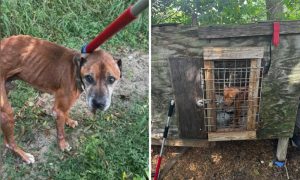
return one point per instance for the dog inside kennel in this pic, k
(232, 93)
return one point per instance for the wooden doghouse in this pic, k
(198, 66)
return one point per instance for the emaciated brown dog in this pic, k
(57, 70)
(235, 97)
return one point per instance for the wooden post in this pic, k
(210, 94)
(253, 93)
(282, 148)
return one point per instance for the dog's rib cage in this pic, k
(231, 94)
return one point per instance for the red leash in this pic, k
(124, 19)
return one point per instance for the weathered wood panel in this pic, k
(254, 29)
(280, 88)
(173, 41)
(186, 71)
(162, 91)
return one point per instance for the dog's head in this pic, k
(100, 73)
(230, 93)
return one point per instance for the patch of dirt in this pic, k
(132, 86)
(229, 160)
(135, 75)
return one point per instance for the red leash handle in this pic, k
(125, 18)
(157, 168)
(276, 32)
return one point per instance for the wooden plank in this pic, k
(253, 29)
(210, 95)
(214, 53)
(229, 136)
(184, 142)
(282, 147)
(228, 129)
(164, 24)
(185, 75)
(253, 93)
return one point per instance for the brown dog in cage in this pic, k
(235, 97)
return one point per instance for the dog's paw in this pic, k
(64, 146)
(29, 158)
(72, 123)
(7, 145)
(68, 148)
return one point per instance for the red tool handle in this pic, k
(276, 32)
(125, 18)
(157, 168)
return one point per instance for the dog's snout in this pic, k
(98, 103)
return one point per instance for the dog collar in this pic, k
(80, 85)
(79, 82)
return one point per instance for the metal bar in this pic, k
(139, 6)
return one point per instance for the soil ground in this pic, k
(229, 160)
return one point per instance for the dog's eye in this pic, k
(89, 79)
(111, 79)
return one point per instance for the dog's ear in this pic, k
(119, 63)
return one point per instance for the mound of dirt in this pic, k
(230, 160)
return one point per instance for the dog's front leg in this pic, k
(63, 102)
(60, 123)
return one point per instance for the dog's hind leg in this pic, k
(7, 125)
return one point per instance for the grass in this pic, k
(111, 145)
(72, 23)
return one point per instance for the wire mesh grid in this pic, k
(232, 94)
